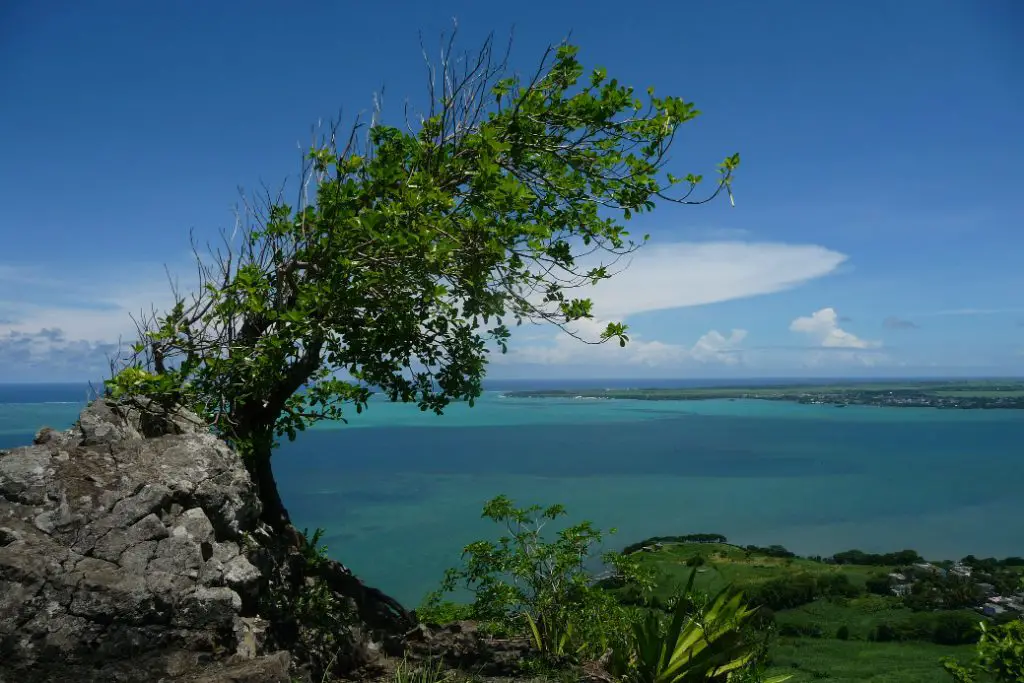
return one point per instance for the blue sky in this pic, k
(878, 220)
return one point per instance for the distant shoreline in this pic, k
(962, 395)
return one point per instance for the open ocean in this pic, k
(399, 492)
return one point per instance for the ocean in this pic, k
(399, 492)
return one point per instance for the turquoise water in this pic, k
(399, 492)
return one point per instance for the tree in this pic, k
(411, 250)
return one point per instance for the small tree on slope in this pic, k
(410, 250)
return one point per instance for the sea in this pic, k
(399, 492)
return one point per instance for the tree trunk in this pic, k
(379, 611)
(274, 512)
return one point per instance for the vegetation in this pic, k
(688, 538)
(521, 582)
(411, 249)
(524, 583)
(902, 557)
(999, 656)
(809, 618)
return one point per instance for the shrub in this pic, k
(955, 628)
(879, 584)
(696, 561)
(528, 583)
(704, 646)
(785, 592)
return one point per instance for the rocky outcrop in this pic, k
(462, 646)
(131, 550)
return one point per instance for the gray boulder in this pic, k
(125, 554)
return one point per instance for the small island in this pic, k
(959, 394)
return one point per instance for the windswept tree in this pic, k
(410, 250)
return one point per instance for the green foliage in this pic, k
(900, 558)
(687, 538)
(1000, 656)
(437, 611)
(409, 253)
(314, 554)
(703, 645)
(431, 672)
(524, 581)
(942, 628)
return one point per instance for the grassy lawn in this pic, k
(860, 615)
(729, 565)
(810, 659)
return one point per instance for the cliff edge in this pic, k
(131, 550)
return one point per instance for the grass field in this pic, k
(728, 565)
(852, 661)
(826, 658)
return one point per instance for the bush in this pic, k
(798, 629)
(942, 628)
(879, 584)
(785, 592)
(955, 628)
(838, 586)
(526, 582)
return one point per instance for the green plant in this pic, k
(525, 581)
(408, 254)
(705, 646)
(434, 611)
(1000, 656)
(431, 672)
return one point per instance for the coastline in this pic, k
(965, 395)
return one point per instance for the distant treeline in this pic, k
(689, 538)
(990, 563)
(902, 557)
(770, 551)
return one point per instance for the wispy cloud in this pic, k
(677, 275)
(64, 328)
(894, 323)
(823, 327)
(976, 311)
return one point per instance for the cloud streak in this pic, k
(894, 323)
(682, 274)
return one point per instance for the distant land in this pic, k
(959, 394)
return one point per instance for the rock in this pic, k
(105, 530)
(461, 645)
(131, 549)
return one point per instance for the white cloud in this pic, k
(823, 327)
(60, 328)
(96, 308)
(675, 275)
(712, 348)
